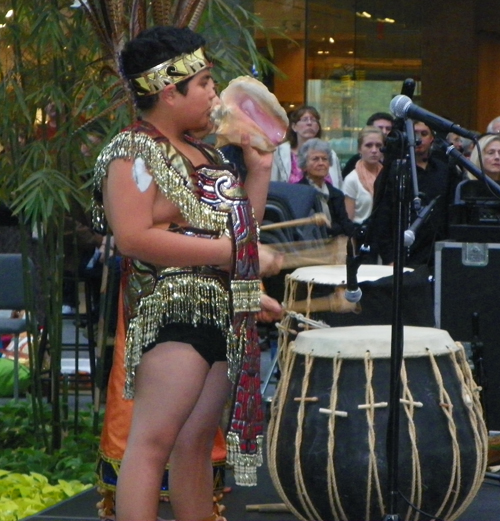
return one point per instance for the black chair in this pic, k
(296, 201)
(12, 297)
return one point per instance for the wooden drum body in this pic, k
(328, 430)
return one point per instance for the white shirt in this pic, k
(363, 200)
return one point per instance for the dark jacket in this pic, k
(341, 224)
(438, 179)
(350, 165)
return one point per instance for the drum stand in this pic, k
(480, 375)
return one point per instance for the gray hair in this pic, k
(491, 125)
(314, 144)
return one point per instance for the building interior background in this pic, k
(350, 58)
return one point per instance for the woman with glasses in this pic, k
(304, 125)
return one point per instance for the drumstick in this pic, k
(267, 507)
(318, 219)
(316, 324)
(319, 258)
(311, 253)
(335, 302)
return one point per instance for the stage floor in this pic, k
(485, 507)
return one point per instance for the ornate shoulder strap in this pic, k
(174, 183)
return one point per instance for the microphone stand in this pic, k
(405, 168)
(410, 136)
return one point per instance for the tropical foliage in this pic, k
(31, 479)
(59, 73)
(26, 494)
(59, 87)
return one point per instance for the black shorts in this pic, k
(209, 341)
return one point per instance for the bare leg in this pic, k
(190, 471)
(169, 381)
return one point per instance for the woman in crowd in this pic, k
(358, 186)
(489, 145)
(304, 124)
(315, 159)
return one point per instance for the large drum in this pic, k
(328, 431)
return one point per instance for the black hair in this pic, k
(379, 115)
(154, 46)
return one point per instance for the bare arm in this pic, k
(134, 215)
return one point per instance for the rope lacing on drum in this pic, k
(373, 475)
(305, 500)
(470, 391)
(333, 495)
(409, 407)
(447, 407)
(310, 286)
(275, 423)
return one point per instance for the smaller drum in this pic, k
(320, 289)
(327, 436)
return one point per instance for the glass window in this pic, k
(347, 58)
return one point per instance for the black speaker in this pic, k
(467, 305)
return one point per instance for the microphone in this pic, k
(402, 107)
(353, 292)
(408, 88)
(409, 234)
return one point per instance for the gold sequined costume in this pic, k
(213, 202)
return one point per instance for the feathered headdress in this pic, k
(115, 22)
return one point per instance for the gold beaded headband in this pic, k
(171, 71)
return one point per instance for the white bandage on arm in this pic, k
(141, 175)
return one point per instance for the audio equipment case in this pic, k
(467, 305)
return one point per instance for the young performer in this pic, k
(187, 230)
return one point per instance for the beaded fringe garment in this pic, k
(213, 202)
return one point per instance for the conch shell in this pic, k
(247, 106)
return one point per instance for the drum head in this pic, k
(338, 274)
(355, 341)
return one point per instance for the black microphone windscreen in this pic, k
(408, 88)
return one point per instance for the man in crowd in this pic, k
(436, 182)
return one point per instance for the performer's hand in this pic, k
(271, 309)
(270, 262)
(256, 161)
